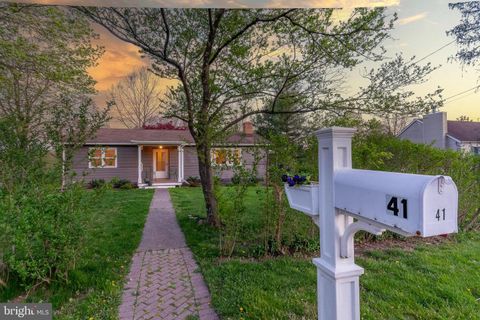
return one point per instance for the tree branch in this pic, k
(245, 29)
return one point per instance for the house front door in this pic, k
(160, 163)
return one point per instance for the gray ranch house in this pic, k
(435, 129)
(162, 158)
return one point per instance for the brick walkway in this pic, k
(163, 282)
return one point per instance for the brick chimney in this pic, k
(247, 128)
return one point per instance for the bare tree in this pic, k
(395, 123)
(137, 99)
(464, 118)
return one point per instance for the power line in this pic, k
(459, 98)
(432, 53)
(460, 93)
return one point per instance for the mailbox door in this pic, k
(440, 207)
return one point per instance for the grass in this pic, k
(431, 282)
(95, 286)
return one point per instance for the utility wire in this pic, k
(460, 93)
(457, 94)
(432, 53)
(459, 98)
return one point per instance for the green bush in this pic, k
(96, 183)
(118, 183)
(127, 186)
(43, 231)
(114, 182)
(194, 181)
(241, 175)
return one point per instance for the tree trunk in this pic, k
(206, 178)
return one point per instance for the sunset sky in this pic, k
(420, 30)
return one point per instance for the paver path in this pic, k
(163, 282)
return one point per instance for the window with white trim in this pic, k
(104, 157)
(476, 150)
(226, 156)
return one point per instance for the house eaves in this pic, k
(411, 124)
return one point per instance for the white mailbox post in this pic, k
(351, 200)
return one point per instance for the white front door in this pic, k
(160, 163)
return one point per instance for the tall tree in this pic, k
(467, 32)
(44, 56)
(292, 125)
(137, 99)
(234, 64)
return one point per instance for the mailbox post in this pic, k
(407, 204)
(338, 293)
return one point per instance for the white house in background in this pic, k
(435, 129)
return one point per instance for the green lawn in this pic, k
(94, 288)
(432, 282)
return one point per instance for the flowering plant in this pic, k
(296, 179)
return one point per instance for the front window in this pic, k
(102, 157)
(476, 150)
(226, 157)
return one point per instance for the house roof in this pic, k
(106, 136)
(464, 130)
(128, 136)
(409, 125)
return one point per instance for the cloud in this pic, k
(345, 4)
(125, 3)
(225, 3)
(411, 19)
(119, 60)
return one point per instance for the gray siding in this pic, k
(452, 144)
(413, 133)
(127, 165)
(190, 162)
(435, 129)
(248, 158)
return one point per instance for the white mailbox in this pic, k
(409, 204)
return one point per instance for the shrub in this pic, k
(43, 232)
(231, 205)
(120, 183)
(96, 183)
(194, 181)
(244, 177)
(114, 182)
(127, 186)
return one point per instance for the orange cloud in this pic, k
(119, 60)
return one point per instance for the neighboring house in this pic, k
(435, 129)
(162, 157)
